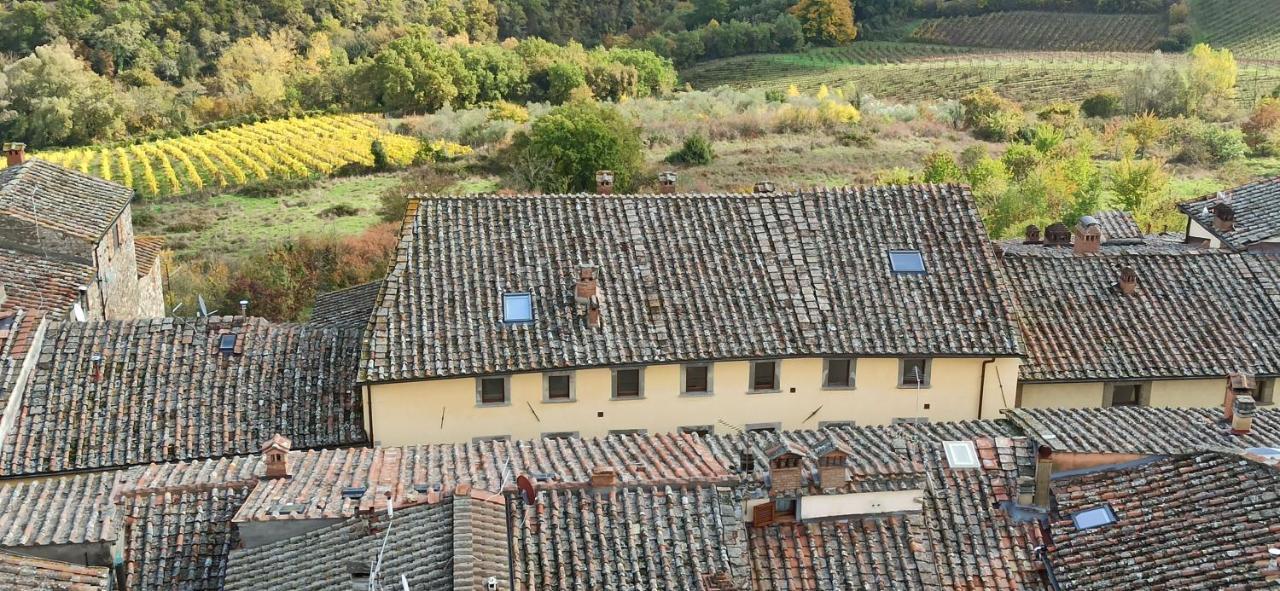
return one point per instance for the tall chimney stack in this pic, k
(1224, 217)
(1238, 384)
(586, 295)
(275, 454)
(1088, 234)
(604, 182)
(15, 152)
(667, 182)
(1057, 234)
(1044, 474)
(1128, 283)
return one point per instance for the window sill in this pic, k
(492, 404)
(913, 387)
(697, 394)
(625, 398)
(839, 388)
(774, 391)
(558, 400)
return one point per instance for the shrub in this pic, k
(564, 148)
(380, 160)
(895, 176)
(991, 116)
(1020, 160)
(941, 167)
(1261, 131)
(696, 151)
(1199, 142)
(1146, 129)
(1045, 138)
(775, 95)
(1103, 105)
(505, 111)
(276, 187)
(340, 210)
(1060, 114)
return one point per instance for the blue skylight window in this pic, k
(517, 308)
(227, 343)
(1095, 517)
(906, 261)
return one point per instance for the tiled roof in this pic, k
(314, 490)
(71, 510)
(1197, 522)
(62, 199)
(41, 284)
(859, 553)
(1257, 211)
(24, 573)
(119, 393)
(687, 277)
(179, 538)
(1142, 430)
(350, 307)
(880, 459)
(1196, 314)
(146, 249)
(421, 546)
(1118, 225)
(629, 539)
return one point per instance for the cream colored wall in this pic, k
(1072, 395)
(1197, 231)
(1163, 393)
(411, 412)
(1188, 392)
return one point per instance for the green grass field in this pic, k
(1030, 77)
(1047, 31)
(1249, 28)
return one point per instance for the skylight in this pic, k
(906, 261)
(517, 307)
(227, 343)
(961, 454)
(1095, 517)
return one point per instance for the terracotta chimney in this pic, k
(1044, 473)
(604, 477)
(15, 152)
(833, 464)
(604, 182)
(1238, 384)
(786, 468)
(1032, 234)
(764, 187)
(1088, 236)
(586, 295)
(1224, 217)
(1128, 283)
(1057, 234)
(667, 182)
(275, 454)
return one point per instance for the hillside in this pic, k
(1250, 28)
(1047, 31)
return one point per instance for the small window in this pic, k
(1265, 393)
(909, 421)
(764, 376)
(764, 427)
(837, 374)
(702, 430)
(697, 379)
(492, 390)
(517, 308)
(627, 383)
(914, 373)
(1126, 395)
(835, 424)
(1095, 517)
(961, 454)
(558, 387)
(491, 439)
(560, 435)
(906, 261)
(227, 343)
(628, 431)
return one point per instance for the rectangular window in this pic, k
(702, 430)
(1126, 395)
(493, 390)
(628, 431)
(764, 376)
(557, 387)
(914, 373)
(517, 308)
(837, 374)
(491, 438)
(697, 379)
(906, 261)
(1265, 394)
(560, 435)
(764, 427)
(627, 383)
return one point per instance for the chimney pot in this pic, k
(586, 295)
(1128, 281)
(604, 477)
(764, 187)
(1088, 236)
(275, 454)
(1044, 474)
(244, 307)
(1224, 217)
(667, 182)
(604, 182)
(15, 152)
(1032, 234)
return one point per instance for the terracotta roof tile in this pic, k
(62, 199)
(179, 538)
(1142, 430)
(147, 249)
(857, 553)
(119, 393)
(24, 573)
(688, 277)
(350, 307)
(1257, 211)
(71, 510)
(1118, 226)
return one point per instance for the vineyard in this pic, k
(1249, 28)
(235, 156)
(1027, 77)
(1047, 31)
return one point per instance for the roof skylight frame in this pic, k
(961, 455)
(1094, 517)
(517, 307)
(907, 261)
(227, 342)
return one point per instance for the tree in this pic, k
(252, 72)
(23, 27)
(788, 33)
(696, 151)
(827, 22)
(705, 11)
(576, 140)
(1262, 130)
(499, 73)
(1211, 81)
(415, 72)
(57, 100)
(941, 167)
(991, 116)
(1142, 187)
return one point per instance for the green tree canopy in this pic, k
(574, 141)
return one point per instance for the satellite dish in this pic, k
(204, 310)
(78, 312)
(527, 489)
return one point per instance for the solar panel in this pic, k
(906, 261)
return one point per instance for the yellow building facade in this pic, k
(446, 410)
(1198, 392)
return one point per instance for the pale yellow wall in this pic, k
(1073, 395)
(1199, 231)
(1188, 392)
(1163, 393)
(410, 412)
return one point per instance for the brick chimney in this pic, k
(275, 454)
(586, 295)
(15, 152)
(1239, 384)
(604, 182)
(763, 187)
(786, 468)
(1088, 235)
(1224, 217)
(1044, 473)
(604, 477)
(1057, 234)
(833, 463)
(1032, 235)
(667, 182)
(1128, 283)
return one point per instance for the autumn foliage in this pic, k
(826, 22)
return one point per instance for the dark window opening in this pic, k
(1126, 395)
(493, 390)
(559, 387)
(764, 376)
(915, 372)
(626, 383)
(839, 373)
(702, 430)
(696, 379)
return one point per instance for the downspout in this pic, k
(511, 548)
(982, 384)
(1043, 554)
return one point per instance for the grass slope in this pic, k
(1047, 31)
(1249, 28)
